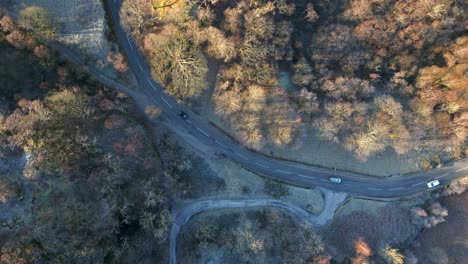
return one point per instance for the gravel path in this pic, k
(332, 201)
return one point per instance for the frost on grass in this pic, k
(79, 24)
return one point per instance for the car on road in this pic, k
(335, 179)
(183, 115)
(433, 184)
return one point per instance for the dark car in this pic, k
(183, 115)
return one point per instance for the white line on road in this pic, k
(418, 183)
(261, 165)
(377, 189)
(306, 168)
(188, 121)
(167, 102)
(461, 169)
(441, 176)
(141, 68)
(325, 180)
(287, 172)
(129, 43)
(399, 188)
(149, 81)
(221, 144)
(305, 176)
(240, 155)
(202, 132)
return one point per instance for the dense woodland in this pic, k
(91, 188)
(368, 74)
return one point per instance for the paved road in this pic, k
(184, 215)
(305, 175)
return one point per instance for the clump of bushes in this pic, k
(38, 20)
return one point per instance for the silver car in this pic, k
(334, 179)
(432, 184)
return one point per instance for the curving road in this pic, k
(184, 215)
(296, 173)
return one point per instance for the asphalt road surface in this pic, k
(296, 173)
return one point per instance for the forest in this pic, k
(80, 181)
(85, 178)
(368, 75)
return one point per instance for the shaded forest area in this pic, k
(89, 187)
(369, 75)
(250, 236)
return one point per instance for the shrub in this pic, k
(363, 252)
(275, 189)
(8, 190)
(7, 24)
(392, 256)
(21, 40)
(118, 61)
(457, 187)
(37, 19)
(153, 112)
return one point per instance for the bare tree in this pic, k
(206, 231)
(392, 256)
(227, 102)
(369, 141)
(219, 46)
(259, 23)
(302, 74)
(177, 63)
(307, 102)
(249, 237)
(310, 13)
(233, 20)
(134, 14)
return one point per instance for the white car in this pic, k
(433, 184)
(334, 179)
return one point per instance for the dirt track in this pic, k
(332, 201)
